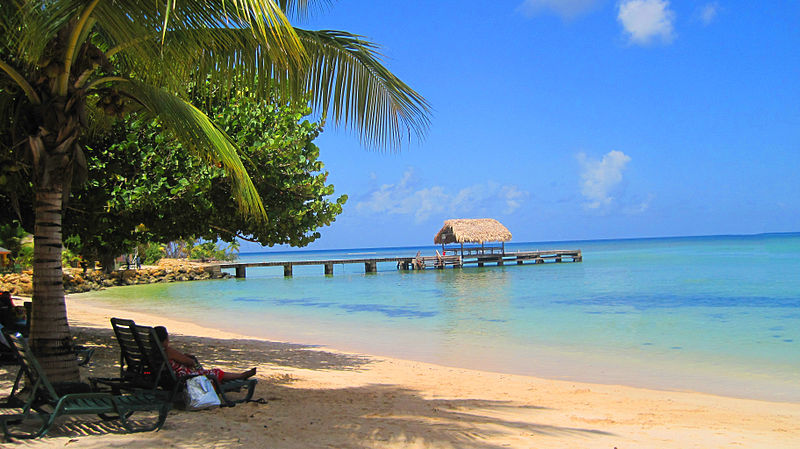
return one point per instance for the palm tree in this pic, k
(67, 64)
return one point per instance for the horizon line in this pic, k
(304, 249)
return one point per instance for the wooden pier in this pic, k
(421, 262)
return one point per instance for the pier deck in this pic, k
(418, 263)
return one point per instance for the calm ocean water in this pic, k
(712, 314)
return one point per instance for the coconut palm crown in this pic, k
(67, 64)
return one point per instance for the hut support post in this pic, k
(287, 270)
(329, 268)
(241, 271)
(370, 267)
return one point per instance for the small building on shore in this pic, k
(486, 232)
(5, 256)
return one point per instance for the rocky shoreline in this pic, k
(75, 281)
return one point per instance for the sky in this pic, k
(577, 120)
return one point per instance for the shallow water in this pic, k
(712, 314)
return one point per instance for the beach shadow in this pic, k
(226, 353)
(72, 427)
(295, 416)
(377, 416)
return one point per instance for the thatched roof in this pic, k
(472, 230)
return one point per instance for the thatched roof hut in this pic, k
(472, 230)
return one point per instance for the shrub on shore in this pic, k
(76, 281)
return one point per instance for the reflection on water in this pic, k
(474, 302)
(714, 314)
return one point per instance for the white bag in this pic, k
(200, 393)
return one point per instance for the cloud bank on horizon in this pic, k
(408, 197)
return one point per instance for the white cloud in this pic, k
(513, 198)
(567, 9)
(407, 198)
(708, 12)
(647, 20)
(640, 207)
(601, 177)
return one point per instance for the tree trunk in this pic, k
(107, 261)
(50, 337)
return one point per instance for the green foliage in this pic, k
(144, 187)
(150, 253)
(11, 237)
(69, 258)
(64, 62)
(210, 251)
(25, 257)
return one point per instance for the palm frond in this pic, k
(28, 27)
(347, 80)
(344, 77)
(146, 23)
(302, 9)
(198, 134)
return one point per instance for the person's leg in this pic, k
(234, 376)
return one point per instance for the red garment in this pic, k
(183, 370)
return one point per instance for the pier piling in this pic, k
(419, 262)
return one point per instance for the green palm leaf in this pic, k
(347, 80)
(196, 131)
(343, 75)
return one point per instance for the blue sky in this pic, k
(578, 119)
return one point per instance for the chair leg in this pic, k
(163, 411)
(251, 388)
(46, 423)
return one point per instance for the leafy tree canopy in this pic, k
(62, 60)
(144, 187)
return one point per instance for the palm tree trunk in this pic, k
(50, 336)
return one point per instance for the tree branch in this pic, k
(235, 234)
(105, 79)
(21, 82)
(72, 44)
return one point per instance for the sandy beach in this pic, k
(323, 398)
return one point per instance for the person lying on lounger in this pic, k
(187, 365)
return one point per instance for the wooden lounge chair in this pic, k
(47, 401)
(143, 364)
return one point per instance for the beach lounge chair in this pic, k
(46, 401)
(143, 365)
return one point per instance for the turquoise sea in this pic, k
(713, 314)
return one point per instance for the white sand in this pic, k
(320, 398)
